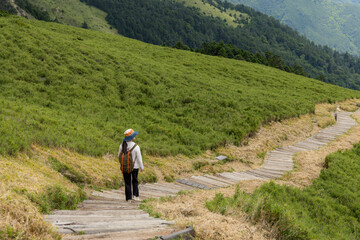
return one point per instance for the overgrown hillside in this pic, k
(327, 22)
(194, 22)
(74, 13)
(63, 86)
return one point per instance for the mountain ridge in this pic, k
(326, 22)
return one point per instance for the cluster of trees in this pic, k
(167, 22)
(230, 51)
(5, 6)
(33, 10)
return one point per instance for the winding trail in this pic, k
(106, 215)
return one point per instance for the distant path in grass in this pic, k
(106, 215)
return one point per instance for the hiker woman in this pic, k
(130, 161)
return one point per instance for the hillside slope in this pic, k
(195, 22)
(167, 22)
(64, 86)
(74, 13)
(326, 22)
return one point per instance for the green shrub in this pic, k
(199, 164)
(4, 13)
(148, 176)
(55, 197)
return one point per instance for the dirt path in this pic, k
(108, 216)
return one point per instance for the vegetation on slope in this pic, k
(326, 22)
(63, 86)
(328, 209)
(230, 51)
(6, 6)
(232, 17)
(74, 13)
(81, 89)
(167, 22)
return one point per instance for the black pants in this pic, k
(135, 188)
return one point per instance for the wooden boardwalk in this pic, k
(106, 215)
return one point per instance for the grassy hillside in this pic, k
(326, 22)
(63, 86)
(328, 209)
(72, 12)
(232, 17)
(166, 22)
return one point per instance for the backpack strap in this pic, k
(133, 147)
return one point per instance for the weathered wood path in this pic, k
(106, 215)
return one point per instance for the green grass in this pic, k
(80, 89)
(75, 13)
(230, 16)
(328, 209)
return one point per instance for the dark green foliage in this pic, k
(328, 209)
(85, 25)
(4, 13)
(166, 21)
(55, 197)
(6, 8)
(180, 45)
(33, 10)
(230, 51)
(68, 87)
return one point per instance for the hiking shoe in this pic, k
(137, 199)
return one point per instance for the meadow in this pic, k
(74, 13)
(328, 209)
(67, 87)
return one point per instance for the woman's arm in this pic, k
(139, 157)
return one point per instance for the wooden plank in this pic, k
(221, 175)
(211, 181)
(124, 235)
(265, 174)
(192, 183)
(258, 175)
(87, 219)
(98, 212)
(157, 188)
(202, 182)
(115, 227)
(245, 175)
(220, 179)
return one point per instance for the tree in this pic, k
(85, 25)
